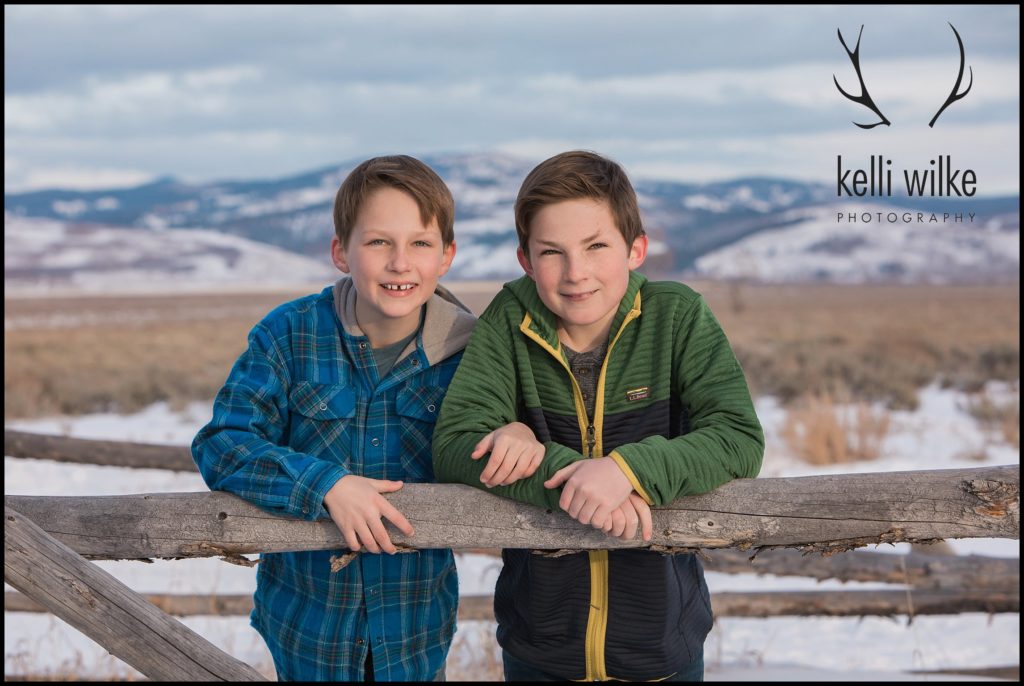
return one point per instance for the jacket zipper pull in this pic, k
(591, 440)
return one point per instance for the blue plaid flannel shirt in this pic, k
(301, 408)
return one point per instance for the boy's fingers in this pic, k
(600, 516)
(629, 521)
(621, 520)
(586, 512)
(508, 466)
(565, 501)
(522, 468)
(366, 538)
(535, 459)
(386, 486)
(561, 476)
(483, 446)
(643, 512)
(392, 514)
(350, 539)
(493, 464)
(381, 538)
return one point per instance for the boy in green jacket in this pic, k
(602, 393)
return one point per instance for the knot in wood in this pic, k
(994, 498)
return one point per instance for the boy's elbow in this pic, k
(753, 451)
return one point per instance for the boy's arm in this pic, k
(242, 449)
(725, 441)
(482, 397)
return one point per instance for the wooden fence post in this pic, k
(110, 613)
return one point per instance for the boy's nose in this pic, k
(575, 269)
(399, 260)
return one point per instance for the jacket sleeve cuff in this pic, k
(621, 461)
(307, 500)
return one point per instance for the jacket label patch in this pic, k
(638, 393)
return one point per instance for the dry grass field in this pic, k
(75, 355)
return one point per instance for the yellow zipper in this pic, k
(590, 432)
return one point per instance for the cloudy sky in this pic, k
(101, 96)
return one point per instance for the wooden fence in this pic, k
(748, 525)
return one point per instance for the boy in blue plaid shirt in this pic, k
(332, 405)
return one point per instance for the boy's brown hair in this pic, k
(578, 174)
(404, 173)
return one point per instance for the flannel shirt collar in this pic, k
(445, 330)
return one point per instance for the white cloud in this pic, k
(72, 178)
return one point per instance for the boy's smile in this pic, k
(395, 262)
(580, 263)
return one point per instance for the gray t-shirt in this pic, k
(586, 367)
(387, 356)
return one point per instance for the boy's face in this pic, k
(394, 260)
(580, 263)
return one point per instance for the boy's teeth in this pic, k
(396, 287)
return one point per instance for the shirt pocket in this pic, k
(417, 410)
(322, 419)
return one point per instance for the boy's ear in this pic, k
(446, 261)
(638, 252)
(338, 255)
(524, 262)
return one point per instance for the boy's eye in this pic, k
(549, 251)
(594, 246)
(376, 241)
(422, 244)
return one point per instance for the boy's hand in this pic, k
(593, 488)
(624, 520)
(356, 505)
(515, 454)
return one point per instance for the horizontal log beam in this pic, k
(818, 513)
(881, 603)
(913, 569)
(105, 453)
(863, 603)
(101, 607)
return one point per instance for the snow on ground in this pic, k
(940, 435)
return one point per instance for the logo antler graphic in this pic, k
(865, 97)
(953, 97)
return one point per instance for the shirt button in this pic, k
(379, 640)
(360, 641)
(373, 591)
(586, 396)
(375, 442)
(415, 362)
(362, 346)
(583, 371)
(323, 406)
(430, 408)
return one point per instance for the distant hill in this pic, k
(743, 228)
(47, 255)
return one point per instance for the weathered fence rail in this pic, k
(822, 513)
(105, 453)
(917, 570)
(101, 607)
(877, 603)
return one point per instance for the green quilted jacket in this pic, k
(672, 408)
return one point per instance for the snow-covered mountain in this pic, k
(814, 246)
(46, 255)
(686, 222)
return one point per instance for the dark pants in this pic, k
(517, 670)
